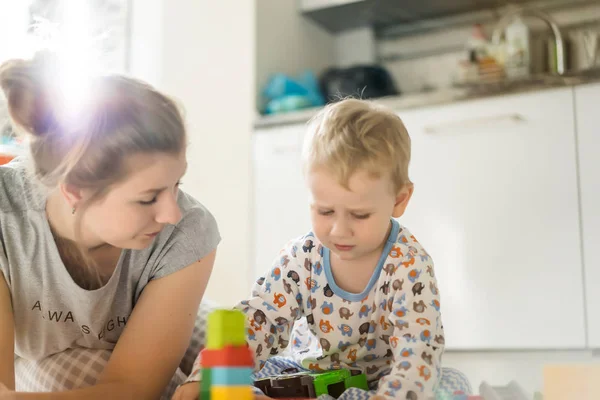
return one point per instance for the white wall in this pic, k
(146, 42)
(286, 42)
(202, 53)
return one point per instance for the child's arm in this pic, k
(275, 304)
(418, 339)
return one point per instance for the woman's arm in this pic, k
(154, 341)
(7, 337)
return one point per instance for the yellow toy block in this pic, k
(231, 393)
(226, 328)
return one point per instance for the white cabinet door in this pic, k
(280, 196)
(587, 106)
(496, 205)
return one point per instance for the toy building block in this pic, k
(357, 381)
(205, 384)
(227, 361)
(310, 385)
(228, 356)
(226, 328)
(224, 376)
(299, 385)
(334, 383)
(231, 393)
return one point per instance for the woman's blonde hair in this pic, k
(352, 135)
(88, 149)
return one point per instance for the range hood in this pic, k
(340, 15)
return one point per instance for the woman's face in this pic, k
(136, 209)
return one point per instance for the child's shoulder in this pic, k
(305, 246)
(406, 240)
(407, 256)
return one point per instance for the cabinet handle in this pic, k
(473, 123)
(283, 149)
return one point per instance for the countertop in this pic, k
(447, 96)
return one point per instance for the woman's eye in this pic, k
(148, 203)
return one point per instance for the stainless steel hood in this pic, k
(339, 15)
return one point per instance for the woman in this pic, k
(100, 247)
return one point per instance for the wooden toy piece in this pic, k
(226, 328)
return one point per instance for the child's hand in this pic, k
(188, 391)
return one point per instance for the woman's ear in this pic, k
(72, 194)
(402, 199)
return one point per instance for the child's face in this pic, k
(354, 223)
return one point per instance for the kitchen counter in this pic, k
(446, 96)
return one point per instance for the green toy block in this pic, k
(357, 381)
(323, 381)
(205, 384)
(226, 328)
(334, 383)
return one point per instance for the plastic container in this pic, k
(518, 50)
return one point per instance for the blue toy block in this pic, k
(226, 376)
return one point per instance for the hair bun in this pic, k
(24, 83)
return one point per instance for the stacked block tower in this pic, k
(227, 362)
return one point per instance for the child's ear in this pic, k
(402, 199)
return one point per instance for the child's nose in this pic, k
(340, 227)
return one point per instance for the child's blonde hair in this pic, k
(353, 135)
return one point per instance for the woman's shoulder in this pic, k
(18, 190)
(197, 231)
(194, 215)
(177, 246)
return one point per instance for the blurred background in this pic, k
(500, 99)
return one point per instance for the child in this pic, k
(365, 285)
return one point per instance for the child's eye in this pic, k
(325, 212)
(362, 216)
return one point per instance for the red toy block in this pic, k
(228, 356)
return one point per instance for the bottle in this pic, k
(477, 44)
(518, 52)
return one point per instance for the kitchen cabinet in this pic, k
(496, 205)
(587, 100)
(280, 196)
